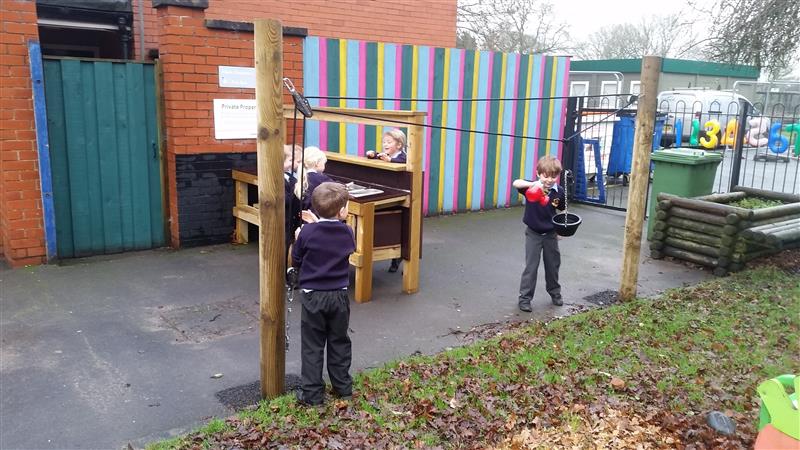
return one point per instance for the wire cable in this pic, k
(440, 100)
(440, 127)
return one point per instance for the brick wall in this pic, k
(21, 223)
(206, 195)
(190, 54)
(421, 22)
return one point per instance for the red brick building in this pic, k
(191, 39)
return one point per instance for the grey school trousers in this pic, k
(323, 326)
(537, 246)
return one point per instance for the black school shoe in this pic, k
(395, 265)
(525, 306)
(557, 300)
(301, 401)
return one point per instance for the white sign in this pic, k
(237, 77)
(235, 118)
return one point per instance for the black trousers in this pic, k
(324, 322)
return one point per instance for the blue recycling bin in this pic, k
(621, 154)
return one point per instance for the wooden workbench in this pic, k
(386, 225)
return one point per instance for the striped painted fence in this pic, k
(463, 170)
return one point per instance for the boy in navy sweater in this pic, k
(322, 254)
(542, 198)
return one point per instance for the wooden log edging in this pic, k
(706, 231)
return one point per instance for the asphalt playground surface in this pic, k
(123, 349)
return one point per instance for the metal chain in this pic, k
(289, 300)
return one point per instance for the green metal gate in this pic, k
(105, 158)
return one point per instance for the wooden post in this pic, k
(414, 163)
(640, 176)
(271, 242)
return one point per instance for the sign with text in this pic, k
(237, 77)
(235, 118)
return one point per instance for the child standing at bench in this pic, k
(394, 150)
(312, 175)
(542, 198)
(322, 254)
(292, 207)
(394, 147)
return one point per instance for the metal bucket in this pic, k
(566, 224)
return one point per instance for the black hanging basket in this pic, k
(566, 224)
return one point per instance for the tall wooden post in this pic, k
(640, 176)
(271, 242)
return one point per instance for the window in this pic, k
(636, 87)
(610, 88)
(578, 88)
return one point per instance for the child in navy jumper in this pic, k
(394, 151)
(542, 198)
(394, 147)
(314, 161)
(322, 254)
(292, 206)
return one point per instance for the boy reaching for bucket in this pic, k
(542, 198)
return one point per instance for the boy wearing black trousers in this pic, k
(321, 253)
(542, 198)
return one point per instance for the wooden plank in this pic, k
(268, 36)
(706, 207)
(640, 172)
(57, 129)
(784, 197)
(123, 155)
(76, 158)
(245, 177)
(140, 156)
(378, 254)
(242, 233)
(153, 157)
(364, 239)
(693, 214)
(90, 117)
(42, 149)
(776, 211)
(362, 161)
(162, 149)
(411, 265)
(108, 158)
(723, 198)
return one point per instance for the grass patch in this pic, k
(664, 362)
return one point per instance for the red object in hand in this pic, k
(536, 194)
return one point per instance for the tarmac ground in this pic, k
(131, 348)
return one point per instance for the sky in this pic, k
(588, 16)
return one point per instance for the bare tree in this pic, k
(524, 26)
(764, 33)
(659, 35)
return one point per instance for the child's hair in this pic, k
(398, 135)
(287, 153)
(311, 157)
(328, 198)
(548, 165)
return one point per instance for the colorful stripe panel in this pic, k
(463, 170)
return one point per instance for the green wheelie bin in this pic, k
(683, 172)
